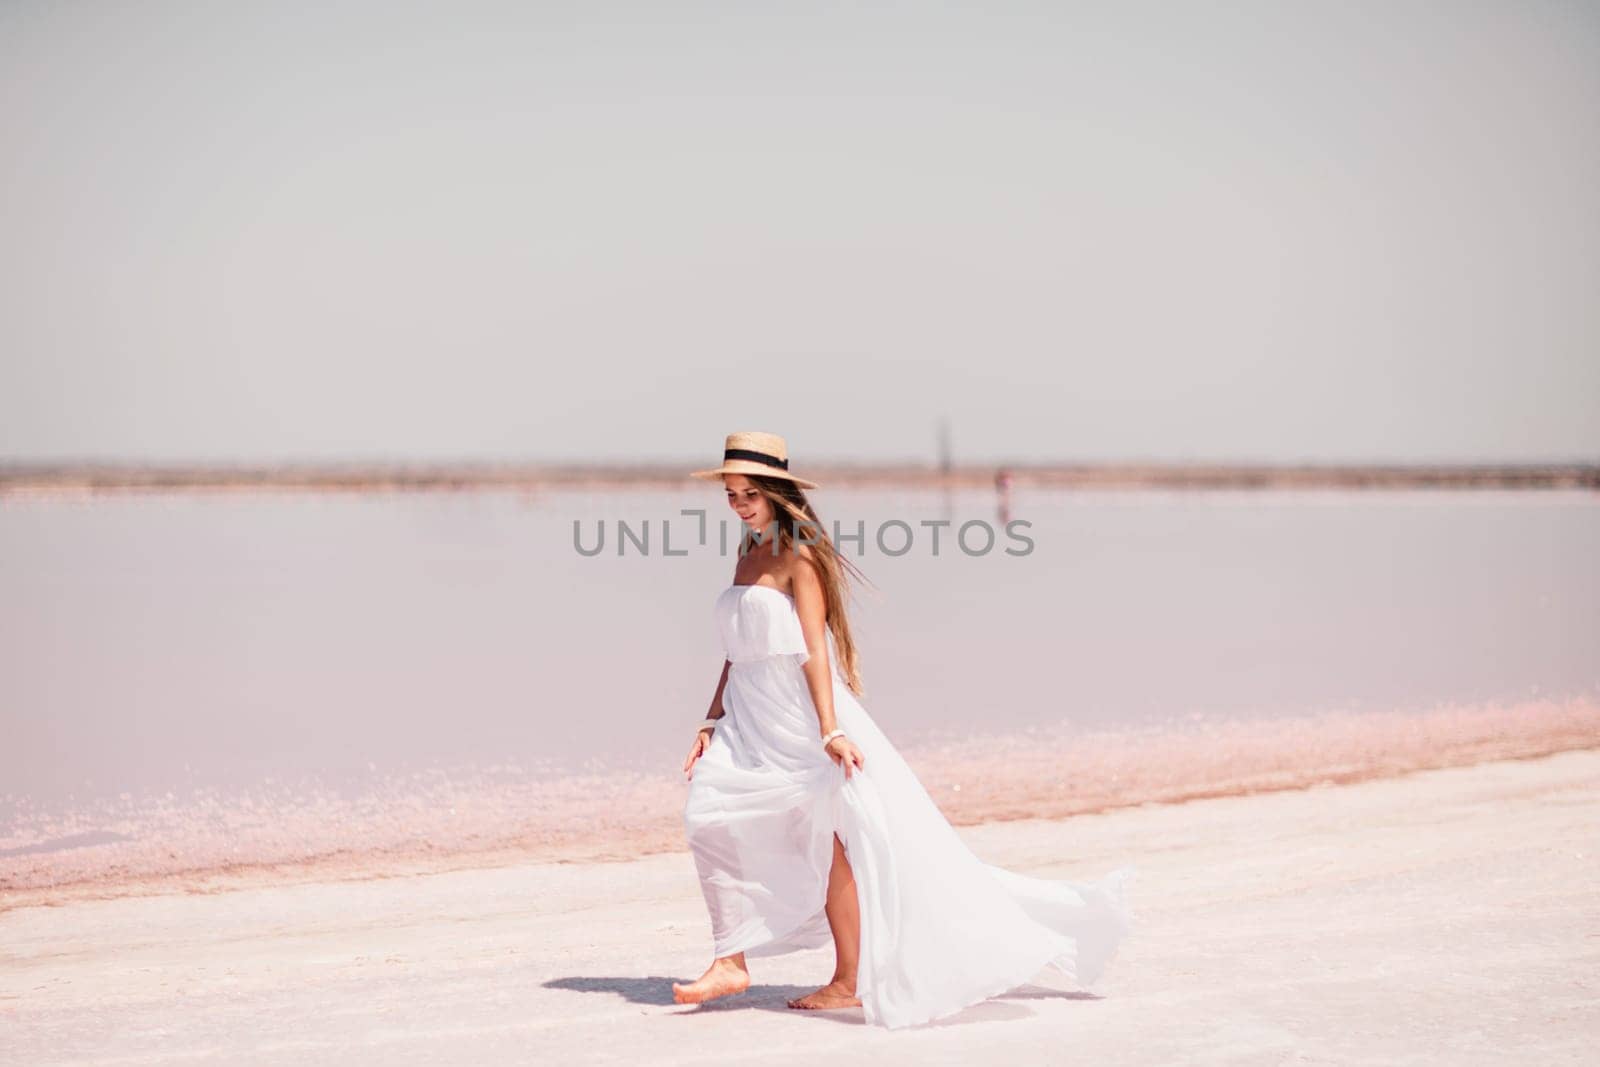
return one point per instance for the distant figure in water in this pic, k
(1002, 490)
(805, 823)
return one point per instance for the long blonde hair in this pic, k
(790, 510)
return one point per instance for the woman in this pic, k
(798, 840)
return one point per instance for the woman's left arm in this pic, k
(812, 605)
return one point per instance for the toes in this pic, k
(821, 1001)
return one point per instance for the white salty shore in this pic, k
(1445, 916)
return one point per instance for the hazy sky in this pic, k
(1255, 231)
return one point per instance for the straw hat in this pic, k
(754, 453)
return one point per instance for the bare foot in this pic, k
(721, 978)
(835, 994)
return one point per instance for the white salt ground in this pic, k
(1448, 916)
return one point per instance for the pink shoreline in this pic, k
(87, 479)
(227, 842)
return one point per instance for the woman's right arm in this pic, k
(715, 711)
(702, 736)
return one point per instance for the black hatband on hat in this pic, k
(758, 457)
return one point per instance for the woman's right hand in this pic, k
(702, 738)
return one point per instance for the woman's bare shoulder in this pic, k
(803, 558)
(801, 566)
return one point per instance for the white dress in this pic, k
(940, 929)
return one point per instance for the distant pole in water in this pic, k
(945, 465)
(1002, 492)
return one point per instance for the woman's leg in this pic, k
(844, 918)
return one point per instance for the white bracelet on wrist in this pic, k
(831, 736)
(709, 722)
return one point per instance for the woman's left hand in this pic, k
(846, 754)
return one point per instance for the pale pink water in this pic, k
(214, 685)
